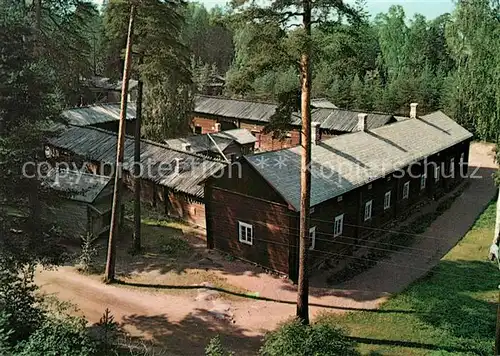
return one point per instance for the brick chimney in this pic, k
(315, 132)
(362, 122)
(413, 110)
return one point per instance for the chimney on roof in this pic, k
(315, 132)
(186, 147)
(413, 110)
(217, 127)
(362, 122)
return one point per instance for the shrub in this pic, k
(295, 339)
(58, 338)
(18, 300)
(215, 348)
(86, 261)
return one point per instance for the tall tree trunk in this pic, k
(38, 16)
(115, 212)
(137, 167)
(305, 173)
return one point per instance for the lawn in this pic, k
(452, 311)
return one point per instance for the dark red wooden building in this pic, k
(360, 182)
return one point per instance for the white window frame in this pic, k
(423, 181)
(437, 174)
(462, 157)
(312, 237)
(245, 239)
(452, 167)
(387, 200)
(406, 190)
(368, 210)
(338, 226)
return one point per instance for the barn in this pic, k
(85, 208)
(171, 180)
(360, 182)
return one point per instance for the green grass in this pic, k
(452, 311)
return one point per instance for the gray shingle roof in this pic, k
(97, 114)
(233, 108)
(324, 112)
(158, 160)
(199, 143)
(242, 136)
(81, 186)
(346, 162)
(343, 120)
(322, 103)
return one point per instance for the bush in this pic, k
(18, 301)
(295, 339)
(215, 348)
(86, 261)
(58, 338)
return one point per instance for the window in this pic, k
(339, 199)
(198, 130)
(437, 174)
(339, 225)
(368, 210)
(245, 233)
(462, 156)
(406, 190)
(369, 186)
(312, 210)
(387, 200)
(452, 167)
(312, 238)
(422, 181)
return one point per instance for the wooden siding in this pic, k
(252, 200)
(207, 124)
(271, 222)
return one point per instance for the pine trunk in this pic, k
(115, 212)
(137, 168)
(305, 173)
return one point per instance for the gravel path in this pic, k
(184, 324)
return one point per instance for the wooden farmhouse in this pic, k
(228, 145)
(360, 182)
(172, 180)
(214, 113)
(85, 207)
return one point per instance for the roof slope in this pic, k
(81, 186)
(346, 162)
(242, 136)
(97, 114)
(324, 112)
(234, 108)
(158, 161)
(343, 120)
(199, 143)
(322, 103)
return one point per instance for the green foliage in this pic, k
(86, 261)
(161, 61)
(58, 338)
(5, 333)
(175, 246)
(320, 339)
(107, 331)
(215, 348)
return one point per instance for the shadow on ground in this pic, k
(191, 335)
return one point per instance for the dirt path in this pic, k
(184, 325)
